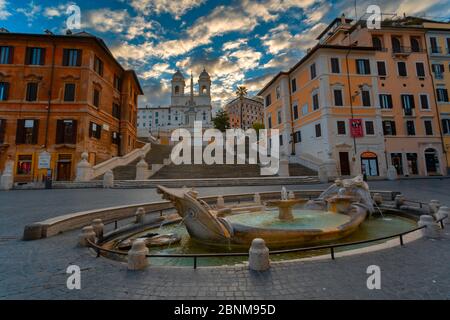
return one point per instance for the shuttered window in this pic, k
(35, 56)
(66, 131)
(72, 57)
(27, 131)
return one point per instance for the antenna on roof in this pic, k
(68, 32)
(48, 32)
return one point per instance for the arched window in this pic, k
(376, 42)
(396, 44)
(415, 45)
(177, 90)
(204, 90)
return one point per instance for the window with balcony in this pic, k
(27, 131)
(6, 54)
(72, 57)
(4, 91)
(35, 56)
(32, 90)
(386, 101)
(66, 131)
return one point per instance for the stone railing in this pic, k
(309, 161)
(86, 172)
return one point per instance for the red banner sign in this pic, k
(356, 128)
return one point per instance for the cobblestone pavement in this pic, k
(36, 270)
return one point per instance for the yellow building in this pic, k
(438, 42)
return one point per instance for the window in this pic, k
(98, 66)
(4, 91)
(434, 45)
(365, 96)
(370, 130)
(118, 83)
(408, 104)
(295, 111)
(25, 164)
(424, 104)
(376, 43)
(315, 99)
(420, 69)
(6, 55)
(35, 56)
(305, 109)
(318, 130)
(96, 98)
(338, 101)
(95, 131)
(2, 130)
(396, 45)
(27, 131)
(362, 66)
(32, 88)
(281, 139)
(389, 128)
(294, 85)
(341, 127)
(116, 110)
(415, 44)
(442, 94)
(69, 92)
(385, 101)
(410, 128)
(297, 136)
(115, 137)
(438, 70)
(268, 100)
(401, 68)
(72, 57)
(279, 117)
(277, 92)
(446, 126)
(312, 70)
(269, 121)
(335, 67)
(428, 127)
(66, 131)
(381, 67)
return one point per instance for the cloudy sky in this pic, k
(239, 42)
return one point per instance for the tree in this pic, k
(241, 92)
(258, 126)
(221, 121)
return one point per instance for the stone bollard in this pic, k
(136, 255)
(140, 214)
(442, 212)
(220, 202)
(399, 200)
(434, 206)
(108, 179)
(257, 198)
(87, 233)
(258, 259)
(99, 227)
(142, 169)
(378, 199)
(432, 229)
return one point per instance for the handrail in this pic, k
(332, 247)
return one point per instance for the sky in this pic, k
(242, 42)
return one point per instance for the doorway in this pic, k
(431, 161)
(397, 162)
(369, 164)
(64, 167)
(345, 163)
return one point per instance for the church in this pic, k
(185, 108)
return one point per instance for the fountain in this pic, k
(340, 210)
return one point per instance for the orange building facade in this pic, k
(249, 109)
(60, 96)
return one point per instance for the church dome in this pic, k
(204, 75)
(178, 76)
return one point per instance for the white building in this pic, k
(183, 111)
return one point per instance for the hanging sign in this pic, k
(356, 128)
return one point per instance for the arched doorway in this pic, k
(369, 164)
(432, 161)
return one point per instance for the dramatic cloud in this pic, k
(30, 12)
(4, 14)
(177, 8)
